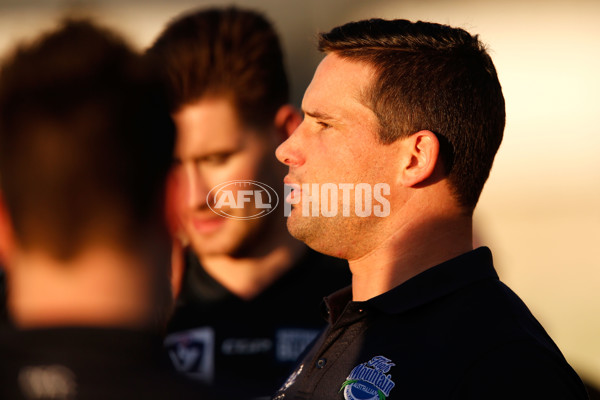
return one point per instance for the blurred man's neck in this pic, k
(99, 287)
(249, 275)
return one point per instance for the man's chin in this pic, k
(213, 243)
(300, 227)
(208, 249)
(230, 240)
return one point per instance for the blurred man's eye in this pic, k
(217, 159)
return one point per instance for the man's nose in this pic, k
(289, 152)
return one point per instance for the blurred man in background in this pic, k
(86, 143)
(250, 292)
(417, 107)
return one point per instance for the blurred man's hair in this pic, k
(431, 77)
(230, 53)
(86, 141)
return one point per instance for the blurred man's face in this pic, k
(214, 147)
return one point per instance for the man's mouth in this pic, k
(295, 191)
(207, 224)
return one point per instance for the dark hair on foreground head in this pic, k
(230, 53)
(86, 141)
(431, 77)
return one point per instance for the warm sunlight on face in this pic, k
(337, 143)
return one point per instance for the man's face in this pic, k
(338, 143)
(213, 147)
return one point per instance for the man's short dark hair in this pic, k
(431, 77)
(228, 52)
(86, 140)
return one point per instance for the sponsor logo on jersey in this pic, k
(192, 352)
(370, 380)
(246, 346)
(291, 342)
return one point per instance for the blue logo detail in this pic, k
(368, 381)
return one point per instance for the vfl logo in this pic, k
(236, 194)
(368, 381)
(192, 352)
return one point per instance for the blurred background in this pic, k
(540, 211)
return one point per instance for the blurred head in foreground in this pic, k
(85, 147)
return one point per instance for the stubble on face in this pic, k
(338, 236)
(337, 143)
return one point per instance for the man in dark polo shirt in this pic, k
(250, 293)
(405, 120)
(86, 143)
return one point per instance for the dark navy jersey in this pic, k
(3, 310)
(452, 332)
(89, 364)
(247, 348)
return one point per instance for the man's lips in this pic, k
(207, 224)
(294, 196)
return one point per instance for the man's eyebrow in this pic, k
(320, 115)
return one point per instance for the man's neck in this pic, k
(99, 287)
(248, 276)
(416, 246)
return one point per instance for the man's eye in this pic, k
(323, 125)
(216, 159)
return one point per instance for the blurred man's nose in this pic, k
(196, 187)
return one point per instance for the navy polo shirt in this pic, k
(452, 332)
(89, 363)
(247, 348)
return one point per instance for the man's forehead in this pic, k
(208, 125)
(339, 81)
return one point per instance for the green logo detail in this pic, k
(351, 381)
(348, 382)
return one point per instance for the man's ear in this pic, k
(7, 240)
(420, 153)
(286, 121)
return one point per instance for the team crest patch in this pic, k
(192, 352)
(368, 381)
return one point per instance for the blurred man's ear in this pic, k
(287, 120)
(172, 214)
(7, 241)
(172, 202)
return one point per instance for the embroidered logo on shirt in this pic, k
(368, 381)
(192, 352)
